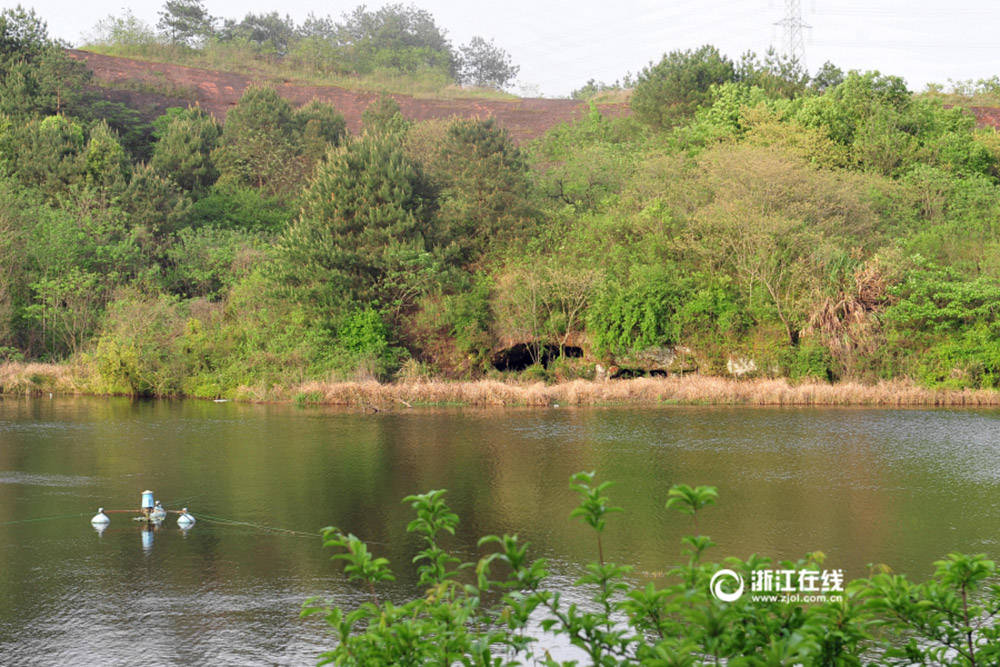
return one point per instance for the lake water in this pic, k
(900, 487)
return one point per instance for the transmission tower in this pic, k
(793, 25)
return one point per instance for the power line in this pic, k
(898, 45)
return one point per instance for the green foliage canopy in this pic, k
(669, 92)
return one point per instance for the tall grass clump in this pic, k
(680, 390)
(19, 378)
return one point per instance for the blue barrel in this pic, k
(147, 500)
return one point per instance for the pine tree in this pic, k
(363, 224)
(260, 144)
(484, 189)
(185, 21)
(186, 139)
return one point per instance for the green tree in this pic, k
(541, 300)
(846, 107)
(106, 165)
(155, 207)
(483, 63)
(269, 33)
(67, 309)
(384, 115)
(394, 37)
(240, 207)
(36, 76)
(482, 179)
(201, 261)
(127, 31)
(322, 127)
(827, 76)
(364, 223)
(135, 134)
(587, 164)
(635, 312)
(185, 22)
(135, 352)
(669, 92)
(46, 154)
(778, 75)
(183, 150)
(776, 226)
(259, 146)
(23, 35)
(16, 218)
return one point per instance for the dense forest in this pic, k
(747, 218)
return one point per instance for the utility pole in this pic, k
(792, 23)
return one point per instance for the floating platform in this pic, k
(151, 513)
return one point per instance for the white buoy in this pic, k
(185, 520)
(100, 518)
(158, 513)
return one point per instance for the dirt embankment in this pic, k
(217, 92)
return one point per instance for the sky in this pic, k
(561, 44)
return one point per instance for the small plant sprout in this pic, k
(689, 500)
(594, 505)
(433, 516)
(359, 564)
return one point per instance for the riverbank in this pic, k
(21, 379)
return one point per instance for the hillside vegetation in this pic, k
(747, 219)
(396, 49)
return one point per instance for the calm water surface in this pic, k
(901, 487)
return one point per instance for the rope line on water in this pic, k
(233, 522)
(182, 501)
(296, 533)
(43, 518)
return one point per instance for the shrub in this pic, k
(634, 314)
(670, 91)
(363, 338)
(236, 207)
(134, 353)
(811, 359)
(971, 360)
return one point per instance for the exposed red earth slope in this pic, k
(987, 116)
(217, 91)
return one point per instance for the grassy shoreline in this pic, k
(34, 379)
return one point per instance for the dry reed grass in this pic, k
(692, 390)
(32, 379)
(26, 378)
